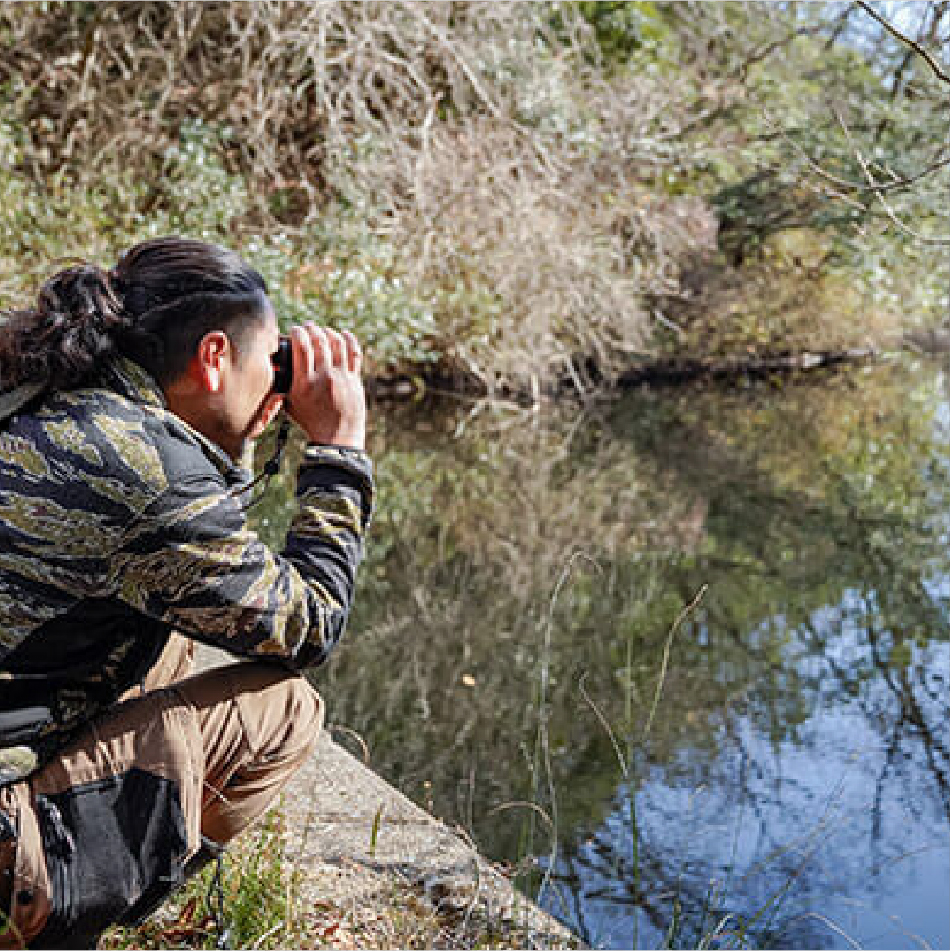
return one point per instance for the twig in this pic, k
(545, 749)
(477, 868)
(603, 722)
(831, 925)
(943, 242)
(522, 803)
(741, 71)
(666, 655)
(354, 735)
(939, 161)
(260, 941)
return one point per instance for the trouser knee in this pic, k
(259, 723)
(288, 721)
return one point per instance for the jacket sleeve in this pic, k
(190, 560)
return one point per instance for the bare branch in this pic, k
(940, 160)
(741, 71)
(876, 188)
(931, 62)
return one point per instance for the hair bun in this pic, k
(78, 316)
(153, 307)
(81, 293)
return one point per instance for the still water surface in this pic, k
(767, 767)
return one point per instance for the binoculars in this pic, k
(282, 360)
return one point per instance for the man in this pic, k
(131, 398)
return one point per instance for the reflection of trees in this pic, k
(887, 580)
(880, 551)
(679, 898)
(804, 513)
(597, 861)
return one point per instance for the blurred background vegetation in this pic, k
(500, 195)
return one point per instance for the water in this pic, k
(766, 768)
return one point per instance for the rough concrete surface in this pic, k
(358, 844)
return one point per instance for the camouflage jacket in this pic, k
(119, 523)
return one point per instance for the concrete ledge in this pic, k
(354, 836)
(360, 846)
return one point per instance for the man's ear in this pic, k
(211, 359)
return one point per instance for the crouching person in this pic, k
(129, 403)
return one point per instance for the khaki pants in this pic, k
(108, 825)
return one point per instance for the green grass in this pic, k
(257, 889)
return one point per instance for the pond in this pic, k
(678, 661)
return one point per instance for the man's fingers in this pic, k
(354, 353)
(323, 354)
(322, 348)
(337, 348)
(327, 399)
(303, 351)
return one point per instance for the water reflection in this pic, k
(772, 770)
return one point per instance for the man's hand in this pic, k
(327, 399)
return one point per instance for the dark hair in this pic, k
(154, 306)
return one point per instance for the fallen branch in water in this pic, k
(439, 381)
(684, 371)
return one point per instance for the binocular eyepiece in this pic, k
(282, 360)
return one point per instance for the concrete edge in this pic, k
(356, 843)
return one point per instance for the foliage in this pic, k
(815, 120)
(519, 193)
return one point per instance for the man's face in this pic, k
(247, 404)
(226, 392)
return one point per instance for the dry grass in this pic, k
(471, 171)
(482, 144)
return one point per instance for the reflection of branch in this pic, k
(931, 62)
(911, 712)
